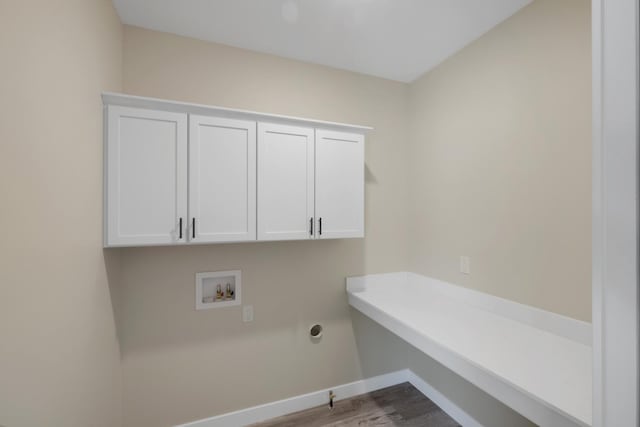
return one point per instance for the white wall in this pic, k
(616, 126)
(59, 357)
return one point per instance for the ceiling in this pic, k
(393, 39)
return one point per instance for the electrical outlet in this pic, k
(247, 313)
(465, 265)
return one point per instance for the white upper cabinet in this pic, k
(222, 180)
(339, 190)
(146, 177)
(285, 182)
(178, 173)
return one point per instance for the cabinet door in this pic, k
(339, 184)
(285, 182)
(146, 177)
(222, 179)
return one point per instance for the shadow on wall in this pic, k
(475, 402)
(369, 177)
(113, 268)
(379, 350)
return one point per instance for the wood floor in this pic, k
(398, 406)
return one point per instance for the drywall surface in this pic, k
(501, 161)
(487, 156)
(59, 356)
(180, 365)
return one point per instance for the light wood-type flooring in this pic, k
(398, 406)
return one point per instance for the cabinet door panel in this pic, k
(222, 179)
(339, 184)
(285, 182)
(146, 176)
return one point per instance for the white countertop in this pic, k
(551, 370)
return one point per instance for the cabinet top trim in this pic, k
(111, 98)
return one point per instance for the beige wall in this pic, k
(487, 156)
(59, 361)
(501, 161)
(497, 143)
(181, 365)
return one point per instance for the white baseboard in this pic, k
(267, 411)
(299, 403)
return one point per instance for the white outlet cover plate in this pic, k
(465, 265)
(247, 313)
